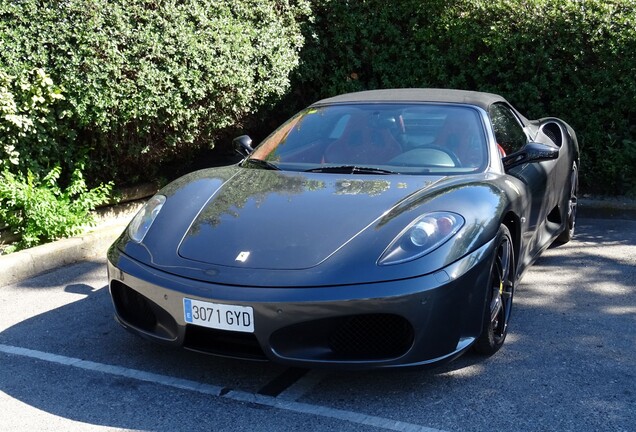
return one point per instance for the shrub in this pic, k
(147, 82)
(570, 59)
(34, 141)
(32, 132)
(39, 210)
(150, 81)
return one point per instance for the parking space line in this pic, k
(114, 370)
(350, 416)
(236, 395)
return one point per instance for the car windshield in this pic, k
(378, 139)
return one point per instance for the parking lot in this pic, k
(569, 362)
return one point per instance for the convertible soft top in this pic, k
(480, 99)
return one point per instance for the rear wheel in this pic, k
(500, 290)
(568, 231)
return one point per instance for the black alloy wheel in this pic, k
(501, 285)
(568, 232)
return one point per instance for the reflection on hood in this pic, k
(288, 220)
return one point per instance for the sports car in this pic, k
(374, 229)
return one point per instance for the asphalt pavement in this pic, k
(568, 363)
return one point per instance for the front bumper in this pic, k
(416, 321)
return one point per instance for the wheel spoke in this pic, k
(574, 182)
(495, 308)
(504, 258)
(507, 291)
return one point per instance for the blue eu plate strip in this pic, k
(187, 308)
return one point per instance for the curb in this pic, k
(111, 222)
(607, 208)
(40, 259)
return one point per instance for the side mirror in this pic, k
(531, 152)
(243, 145)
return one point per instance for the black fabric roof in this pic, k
(483, 100)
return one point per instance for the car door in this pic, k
(510, 135)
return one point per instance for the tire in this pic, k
(500, 290)
(568, 230)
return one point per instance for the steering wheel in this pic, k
(427, 156)
(447, 152)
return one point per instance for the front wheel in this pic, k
(500, 289)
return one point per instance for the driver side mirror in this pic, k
(243, 145)
(531, 152)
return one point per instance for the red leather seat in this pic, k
(459, 135)
(363, 142)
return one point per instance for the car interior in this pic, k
(407, 137)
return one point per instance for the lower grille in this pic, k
(139, 312)
(373, 335)
(349, 338)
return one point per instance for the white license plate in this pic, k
(219, 316)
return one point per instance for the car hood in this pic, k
(251, 227)
(260, 219)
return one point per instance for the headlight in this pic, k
(144, 218)
(422, 236)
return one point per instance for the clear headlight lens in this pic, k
(422, 236)
(144, 218)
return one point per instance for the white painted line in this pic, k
(240, 396)
(113, 370)
(350, 416)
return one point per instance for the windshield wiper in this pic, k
(350, 169)
(262, 164)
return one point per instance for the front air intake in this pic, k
(372, 335)
(365, 337)
(137, 311)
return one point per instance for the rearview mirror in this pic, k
(243, 145)
(531, 152)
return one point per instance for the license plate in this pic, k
(219, 316)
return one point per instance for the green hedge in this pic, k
(34, 140)
(143, 82)
(148, 81)
(38, 211)
(33, 133)
(571, 59)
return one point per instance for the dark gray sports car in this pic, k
(375, 229)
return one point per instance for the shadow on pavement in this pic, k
(567, 364)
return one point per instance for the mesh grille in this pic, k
(133, 307)
(550, 134)
(372, 335)
(553, 131)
